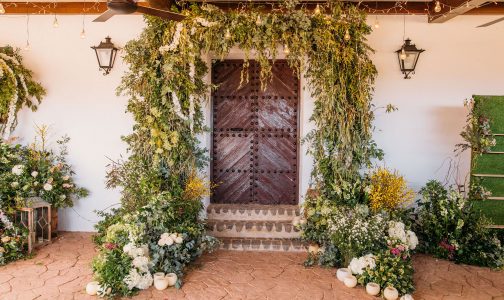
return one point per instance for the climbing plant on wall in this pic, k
(17, 89)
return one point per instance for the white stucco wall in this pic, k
(460, 60)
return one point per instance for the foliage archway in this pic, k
(167, 90)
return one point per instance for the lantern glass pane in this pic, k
(410, 61)
(42, 224)
(104, 57)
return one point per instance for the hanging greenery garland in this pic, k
(17, 89)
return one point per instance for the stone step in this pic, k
(252, 212)
(252, 229)
(258, 244)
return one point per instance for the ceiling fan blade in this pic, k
(160, 13)
(105, 16)
(491, 23)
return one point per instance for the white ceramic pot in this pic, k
(92, 288)
(161, 283)
(390, 293)
(313, 249)
(172, 279)
(159, 275)
(350, 281)
(342, 273)
(372, 289)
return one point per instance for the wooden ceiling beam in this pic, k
(377, 8)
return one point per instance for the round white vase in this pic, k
(342, 273)
(350, 281)
(161, 283)
(390, 293)
(372, 289)
(172, 279)
(92, 288)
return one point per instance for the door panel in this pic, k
(255, 143)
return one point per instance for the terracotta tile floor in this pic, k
(61, 270)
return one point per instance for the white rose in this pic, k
(66, 177)
(407, 297)
(15, 184)
(169, 241)
(161, 242)
(48, 187)
(35, 183)
(173, 236)
(179, 240)
(17, 170)
(164, 236)
(34, 174)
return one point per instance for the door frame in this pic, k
(298, 127)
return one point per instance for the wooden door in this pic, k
(255, 141)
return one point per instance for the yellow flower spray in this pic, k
(388, 190)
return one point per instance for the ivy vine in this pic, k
(17, 89)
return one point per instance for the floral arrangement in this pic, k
(37, 171)
(354, 231)
(477, 133)
(17, 89)
(388, 190)
(163, 236)
(13, 240)
(391, 266)
(449, 227)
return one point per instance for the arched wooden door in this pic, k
(255, 135)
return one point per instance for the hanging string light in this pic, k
(83, 32)
(55, 23)
(437, 8)
(258, 20)
(286, 49)
(376, 23)
(317, 10)
(347, 35)
(227, 35)
(27, 46)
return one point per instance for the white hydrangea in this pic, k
(5, 220)
(145, 281)
(141, 263)
(407, 237)
(18, 170)
(132, 279)
(359, 265)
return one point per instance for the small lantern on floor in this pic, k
(408, 57)
(105, 54)
(36, 217)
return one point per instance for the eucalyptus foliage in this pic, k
(17, 89)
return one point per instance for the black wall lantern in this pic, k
(408, 57)
(105, 54)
